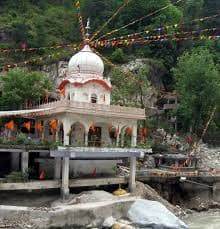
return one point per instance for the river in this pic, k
(204, 220)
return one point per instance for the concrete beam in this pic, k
(55, 184)
(97, 153)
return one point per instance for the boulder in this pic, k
(152, 214)
(109, 222)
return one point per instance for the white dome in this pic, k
(86, 62)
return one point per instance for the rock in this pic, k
(152, 214)
(146, 192)
(109, 222)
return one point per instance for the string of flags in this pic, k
(82, 29)
(110, 19)
(32, 61)
(139, 20)
(162, 28)
(160, 38)
(53, 47)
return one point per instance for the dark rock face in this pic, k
(152, 214)
(5, 36)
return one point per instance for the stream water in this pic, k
(204, 220)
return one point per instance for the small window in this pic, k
(93, 98)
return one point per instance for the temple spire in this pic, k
(87, 30)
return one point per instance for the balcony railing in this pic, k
(63, 105)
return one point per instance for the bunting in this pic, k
(53, 47)
(162, 28)
(82, 29)
(126, 2)
(145, 40)
(140, 19)
(32, 61)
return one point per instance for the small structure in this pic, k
(176, 162)
(83, 153)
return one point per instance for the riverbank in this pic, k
(90, 208)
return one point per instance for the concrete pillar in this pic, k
(117, 139)
(57, 168)
(66, 129)
(86, 137)
(216, 191)
(65, 178)
(134, 137)
(24, 161)
(132, 184)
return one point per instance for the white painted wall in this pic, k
(84, 93)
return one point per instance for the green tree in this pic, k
(198, 86)
(21, 87)
(119, 56)
(130, 88)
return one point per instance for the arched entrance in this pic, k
(77, 134)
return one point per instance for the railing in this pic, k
(93, 107)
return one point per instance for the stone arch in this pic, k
(77, 134)
(98, 134)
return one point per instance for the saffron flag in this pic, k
(27, 125)
(129, 131)
(38, 126)
(53, 125)
(140, 132)
(10, 125)
(93, 127)
(145, 131)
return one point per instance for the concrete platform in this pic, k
(73, 183)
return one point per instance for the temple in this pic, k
(82, 117)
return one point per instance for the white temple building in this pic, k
(84, 117)
(84, 114)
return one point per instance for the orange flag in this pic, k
(38, 126)
(27, 125)
(53, 125)
(140, 132)
(80, 125)
(145, 131)
(93, 127)
(129, 131)
(10, 125)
